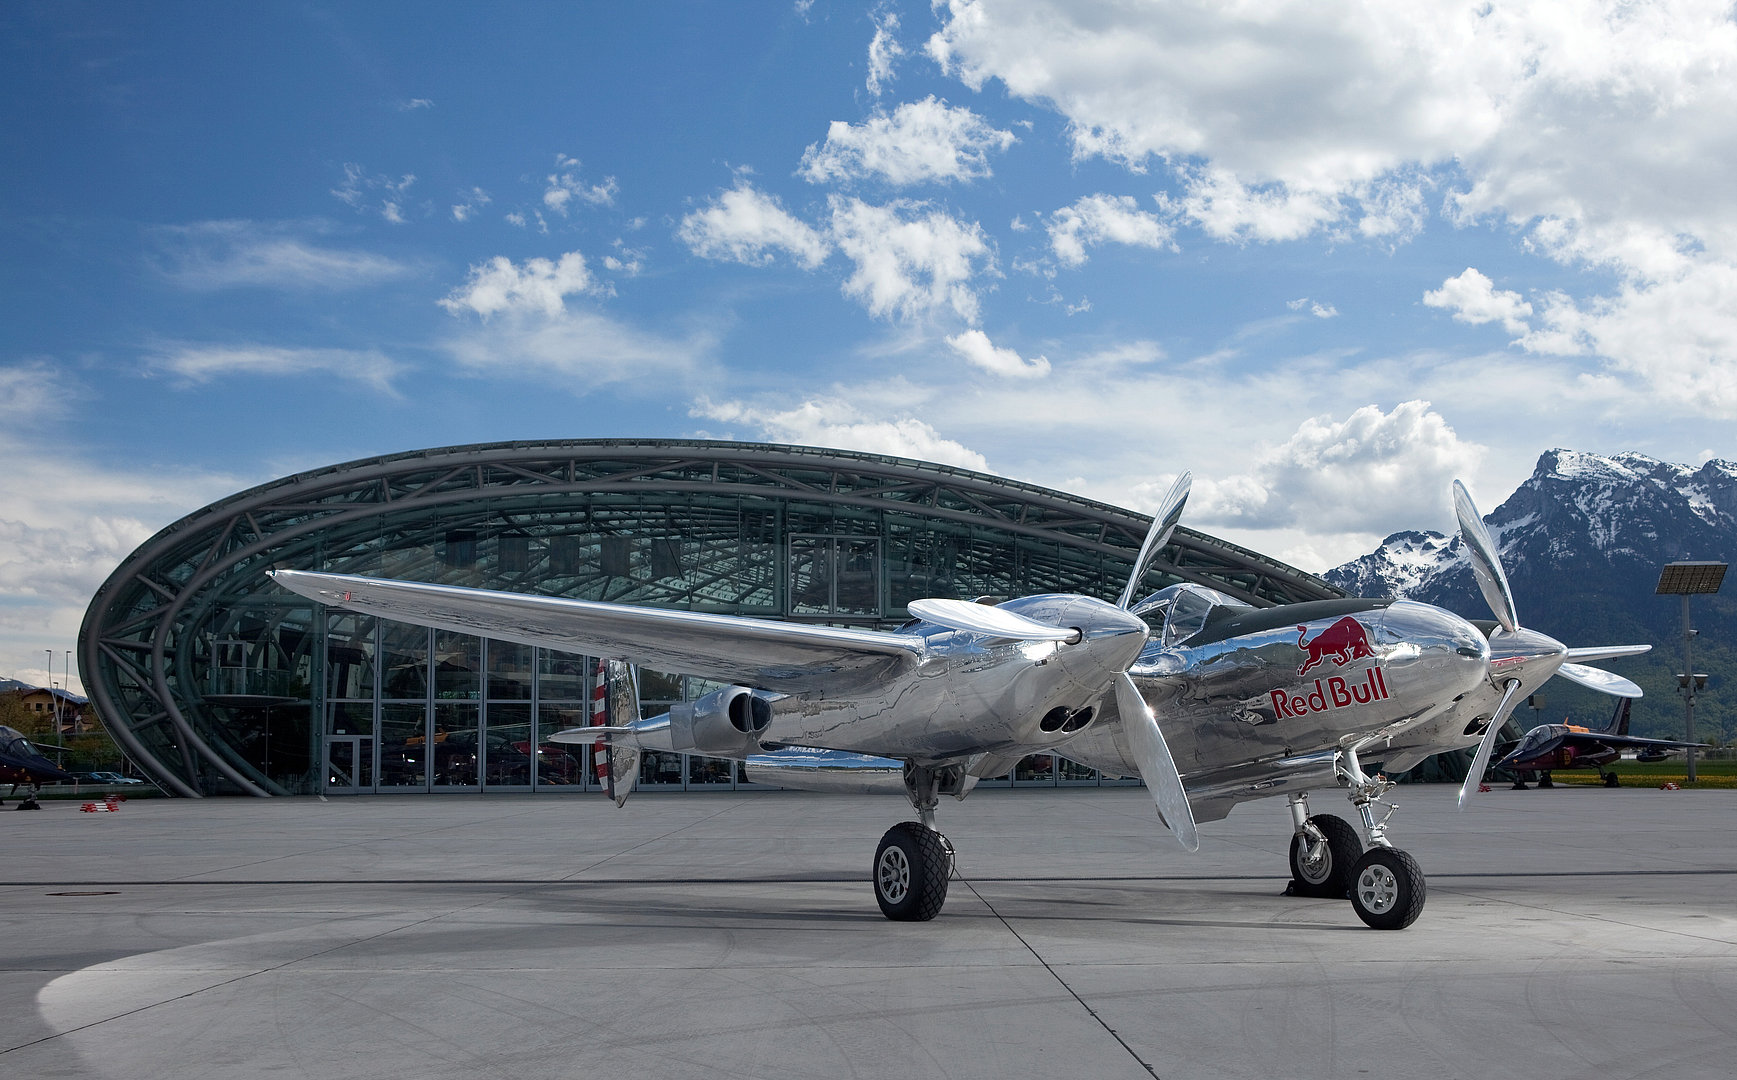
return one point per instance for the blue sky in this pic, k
(1326, 256)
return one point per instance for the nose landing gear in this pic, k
(1385, 885)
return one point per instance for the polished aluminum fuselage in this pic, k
(1240, 720)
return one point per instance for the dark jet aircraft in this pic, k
(21, 764)
(1570, 746)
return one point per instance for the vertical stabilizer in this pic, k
(1619, 719)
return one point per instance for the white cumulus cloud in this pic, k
(1473, 298)
(1104, 219)
(1373, 471)
(564, 186)
(539, 286)
(883, 49)
(923, 141)
(469, 202)
(746, 225)
(910, 259)
(1599, 131)
(975, 347)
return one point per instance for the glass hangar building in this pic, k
(216, 681)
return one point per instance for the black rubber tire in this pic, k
(1387, 889)
(1332, 881)
(910, 873)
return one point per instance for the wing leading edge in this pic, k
(790, 657)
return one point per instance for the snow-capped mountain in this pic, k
(1582, 541)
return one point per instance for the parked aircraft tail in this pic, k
(1619, 719)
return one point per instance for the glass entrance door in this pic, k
(349, 764)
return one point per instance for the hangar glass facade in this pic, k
(214, 680)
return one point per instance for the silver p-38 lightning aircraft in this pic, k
(1223, 703)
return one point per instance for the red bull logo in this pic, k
(1344, 641)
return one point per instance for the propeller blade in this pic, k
(1157, 767)
(1605, 682)
(1481, 760)
(983, 619)
(1606, 652)
(1486, 566)
(1163, 524)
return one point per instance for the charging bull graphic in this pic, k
(1344, 641)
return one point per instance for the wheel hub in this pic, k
(893, 874)
(1315, 862)
(1378, 889)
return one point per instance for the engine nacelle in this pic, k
(725, 722)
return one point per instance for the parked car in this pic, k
(108, 778)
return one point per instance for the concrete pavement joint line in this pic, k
(1054, 974)
(220, 985)
(817, 879)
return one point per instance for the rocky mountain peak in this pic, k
(1581, 541)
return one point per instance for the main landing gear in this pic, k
(914, 861)
(1385, 885)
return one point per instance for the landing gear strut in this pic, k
(914, 861)
(1323, 849)
(1385, 885)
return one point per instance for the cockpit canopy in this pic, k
(1185, 608)
(14, 742)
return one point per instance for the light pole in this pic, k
(53, 701)
(1685, 579)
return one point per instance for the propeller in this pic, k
(1157, 767)
(1605, 682)
(1163, 524)
(1145, 741)
(1486, 565)
(1524, 649)
(1481, 760)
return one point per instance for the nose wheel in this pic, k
(1385, 885)
(1387, 889)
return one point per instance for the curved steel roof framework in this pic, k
(781, 531)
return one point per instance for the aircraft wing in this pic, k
(1630, 740)
(790, 657)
